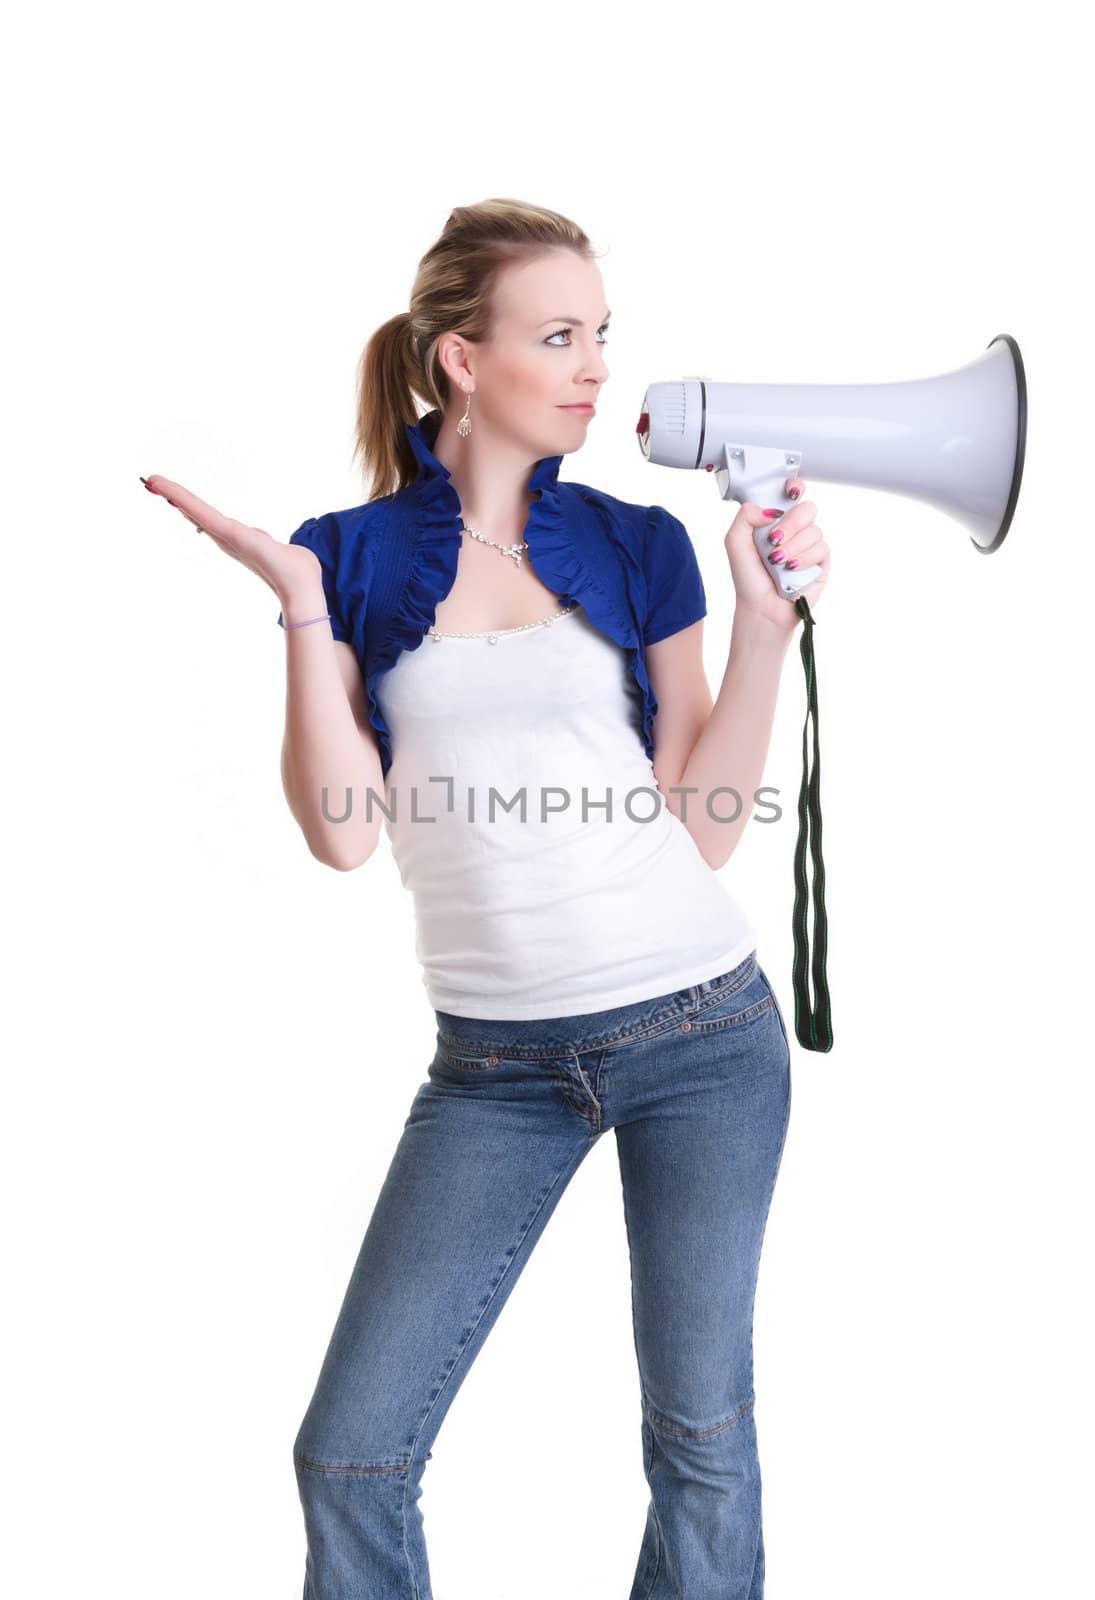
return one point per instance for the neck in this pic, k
(491, 481)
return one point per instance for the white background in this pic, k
(214, 1041)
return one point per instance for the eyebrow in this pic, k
(574, 321)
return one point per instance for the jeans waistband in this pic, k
(541, 1038)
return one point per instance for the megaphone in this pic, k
(956, 442)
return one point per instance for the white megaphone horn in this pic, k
(955, 441)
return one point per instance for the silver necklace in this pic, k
(513, 550)
(492, 637)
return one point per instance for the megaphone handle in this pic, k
(813, 1025)
(759, 473)
(788, 584)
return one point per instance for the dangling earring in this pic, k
(463, 427)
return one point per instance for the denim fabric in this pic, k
(697, 1087)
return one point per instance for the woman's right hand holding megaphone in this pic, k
(788, 536)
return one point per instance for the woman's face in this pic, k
(546, 352)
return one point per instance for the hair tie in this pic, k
(307, 624)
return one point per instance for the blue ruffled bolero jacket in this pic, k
(388, 564)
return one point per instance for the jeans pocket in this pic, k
(736, 1010)
(450, 1058)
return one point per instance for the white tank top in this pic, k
(542, 914)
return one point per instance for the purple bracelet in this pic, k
(307, 624)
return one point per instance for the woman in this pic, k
(509, 704)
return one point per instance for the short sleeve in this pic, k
(674, 584)
(321, 536)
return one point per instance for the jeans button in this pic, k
(492, 1061)
(685, 1026)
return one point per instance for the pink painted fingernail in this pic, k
(772, 511)
(778, 557)
(793, 494)
(775, 536)
(792, 563)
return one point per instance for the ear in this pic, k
(455, 355)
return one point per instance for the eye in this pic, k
(568, 331)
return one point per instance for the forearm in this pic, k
(324, 749)
(731, 750)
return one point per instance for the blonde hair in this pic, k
(452, 293)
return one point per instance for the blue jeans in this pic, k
(697, 1086)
